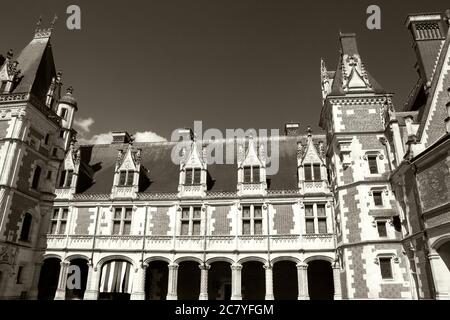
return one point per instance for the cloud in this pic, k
(106, 138)
(148, 136)
(84, 124)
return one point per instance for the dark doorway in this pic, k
(253, 281)
(48, 279)
(320, 280)
(444, 253)
(156, 280)
(219, 281)
(285, 283)
(188, 281)
(77, 293)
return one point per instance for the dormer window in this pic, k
(66, 179)
(126, 178)
(312, 172)
(193, 176)
(373, 165)
(252, 174)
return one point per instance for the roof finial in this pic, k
(309, 131)
(10, 54)
(55, 17)
(69, 90)
(38, 23)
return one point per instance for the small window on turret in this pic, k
(63, 113)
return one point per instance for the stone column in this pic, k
(172, 282)
(139, 284)
(337, 281)
(61, 290)
(236, 282)
(269, 282)
(302, 278)
(204, 281)
(35, 284)
(441, 276)
(92, 284)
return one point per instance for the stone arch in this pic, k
(319, 257)
(252, 258)
(220, 259)
(50, 256)
(76, 256)
(440, 241)
(188, 258)
(285, 258)
(106, 259)
(157, 258)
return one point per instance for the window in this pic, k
(252, 220)
(26, 227)
(61, 134)
(36, 177)
(252, 174)
(47, 137)
(49, 175)
(54, 152)
(192, 176)
(382, 230)
(58, 223)
(377, 198)
(386, 267)
(19, 275)
(126, 178)
(66, 179)
(312, 172)
(63, 113)
(2, 86)
(317, 217)
(373, 166)
(122, 221)
(191, 221)
(309, 215)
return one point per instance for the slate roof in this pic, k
(164, 174)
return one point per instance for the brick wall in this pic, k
(85, 217)
(283, 219)
(160, 222)
(361, 118)
(19, 205)
(221, 224)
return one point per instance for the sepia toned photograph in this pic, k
(224, 150)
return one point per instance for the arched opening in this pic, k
(219, 281)
(188, 280)
(253, 281)
(156, 280)
(285, 283)
(36, 178)
(48, 279)
(76, 279)
(116, 280)
(320, 280)
(444, 253)
(26, 227)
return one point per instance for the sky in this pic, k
(154, 66)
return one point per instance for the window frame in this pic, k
(318, 220)
(122, 221)
(194, 172)
(382, 222)
(128, 178)
(252, 220)
(29, 226)
(251, 169)
(391, 267)
(374, 158)
(64, 178)
(309, 167)
(375, 194)
(61, 219)
(36, 179)
(191, 220)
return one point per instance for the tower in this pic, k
(34, 137)
(369, 251)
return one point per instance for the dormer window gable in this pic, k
(312, 162)
(251, 170)
(127, 168)
(193, 174)
(68, 178)
(10, 74)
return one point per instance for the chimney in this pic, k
(121, 137)
(428, 32)
(292, 129)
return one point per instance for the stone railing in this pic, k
(63, 193)
(315, 186)
(225, 243)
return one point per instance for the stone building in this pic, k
(360, 211)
